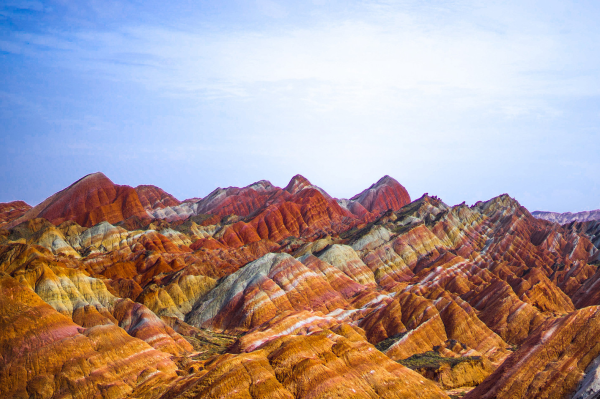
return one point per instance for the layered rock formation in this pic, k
(551, 362)
(568, 217)
(323, 365)
(10, 211)
(45, 354)
(264, 291)
(152, 197)
(88, 201)
(386, 194)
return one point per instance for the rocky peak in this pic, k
(261, 185)
(386, 194)
(297, 184)
(502, 202)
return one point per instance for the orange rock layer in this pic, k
(308, 283)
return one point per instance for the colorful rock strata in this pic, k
(267, 292)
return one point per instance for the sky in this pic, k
(465, 100)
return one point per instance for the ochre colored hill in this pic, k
(268, 292)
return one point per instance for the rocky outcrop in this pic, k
(44, 354)
(329, 363)
(550, 363)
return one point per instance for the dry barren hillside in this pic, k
(111, 291)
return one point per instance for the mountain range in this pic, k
(111, 291)
(568, 217)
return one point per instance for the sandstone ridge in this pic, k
(268, 292)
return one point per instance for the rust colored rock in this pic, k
(10, 211)
(409, 277)
(301, 210)
(386, 194)
(552, 362)
(452, 371)
(69, 360)
(152, 197)
(88, 201)
(321, 365)
(142, 323)
(262, 289)
(238, 201)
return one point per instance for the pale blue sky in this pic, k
(462, 99)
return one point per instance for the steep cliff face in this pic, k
(287, 292)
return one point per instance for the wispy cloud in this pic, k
(389, 56)
(440, 83)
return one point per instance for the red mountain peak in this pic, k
(297, 184)
(386, 194)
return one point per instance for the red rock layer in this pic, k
(45, 354)
(322, 365)
(237, 201)
(301, 210)
(261, 290)
(550, 363)
(86, 300)
(386, 194)
(152, 197)
(88, 201)
(10, 211)
(486, 277)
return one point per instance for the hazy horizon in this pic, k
(457, 99)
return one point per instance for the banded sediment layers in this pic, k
(268, 292)
(568, 217)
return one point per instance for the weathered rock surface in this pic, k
(321, 365)
(88, 201)
(452, 365)
(386, 194)
(10, 211)
(551, 363)
(152, 197)
(264, 291)
(44, 354)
